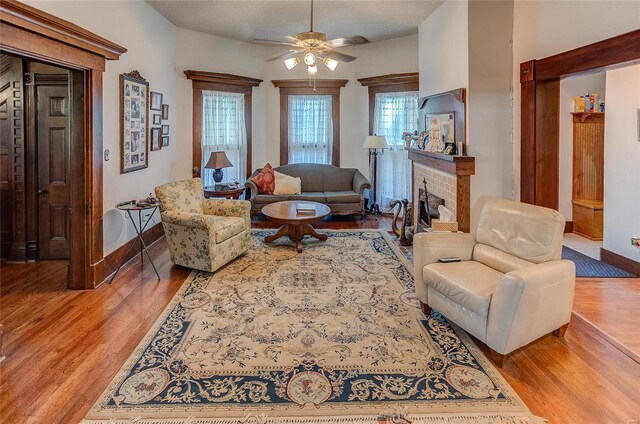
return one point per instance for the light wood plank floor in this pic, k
(63, 347)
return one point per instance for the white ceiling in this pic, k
(246, 20)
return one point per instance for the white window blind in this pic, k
(394, 113)
(310, 129)
(223, 129)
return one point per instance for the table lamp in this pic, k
(373, 143)
(217, 161)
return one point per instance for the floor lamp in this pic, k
(373, 143)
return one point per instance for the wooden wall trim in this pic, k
(391, 79)
(115, 258)
(219, 78)
(620, 261)
(330, 87)
(304, 83)
(392, 83)
(540, 108)
(213, 81)
(34, 20)
(619, 49)
(455, 165)
(37, 35)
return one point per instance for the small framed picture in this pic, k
(165, 130)
(156, 101)
(165, 141)
(156, 142)
(157, 120)
(165, 112)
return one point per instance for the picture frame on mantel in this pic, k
(134, 122)
(451, 102)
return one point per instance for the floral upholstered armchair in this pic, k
(203, 234)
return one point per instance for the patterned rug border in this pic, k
(486, 418)
(523, 416)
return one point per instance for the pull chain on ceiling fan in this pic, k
(312, 47)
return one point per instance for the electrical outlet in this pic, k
(635, 241)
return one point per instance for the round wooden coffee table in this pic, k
(295, 226)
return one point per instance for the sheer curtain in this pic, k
(223, 129)
(394, 113)
(310, 129)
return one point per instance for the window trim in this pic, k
(329, 87)
(212, 81)
(390, 83)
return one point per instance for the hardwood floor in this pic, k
(63, 347)
(612, 305)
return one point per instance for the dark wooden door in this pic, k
(54, 185)
(6, 211)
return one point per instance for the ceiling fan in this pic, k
(313, 47)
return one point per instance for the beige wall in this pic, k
(393, 56)
(622, 162)
(161, 52)
(151, 43)
(544, 28)
(444, 49)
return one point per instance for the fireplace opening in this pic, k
(427, 209)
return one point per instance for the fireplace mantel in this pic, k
(456, 165)
(461, 168)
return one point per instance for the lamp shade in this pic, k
(375, 142)
(218, 160)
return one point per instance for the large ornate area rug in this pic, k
(331, 335)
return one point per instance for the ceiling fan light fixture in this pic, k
(309, 59)
(312, 70)
(330, 63)
(291, 63)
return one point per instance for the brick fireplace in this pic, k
(447, 177)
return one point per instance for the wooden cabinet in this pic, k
(588, 174)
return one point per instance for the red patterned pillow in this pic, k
(265, 180)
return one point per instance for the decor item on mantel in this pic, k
(313, 47)
(134, 122)
(373, 143)
(217, 161)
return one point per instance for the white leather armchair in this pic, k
(511, 286)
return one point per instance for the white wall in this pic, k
(162, 52)
(459, 49)
(570, 87)
(444, 49)
(151, 43)
(622, 162)
(489, 114)
(544, 28)
(398, 55)
(204, 52)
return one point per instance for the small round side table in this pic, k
(129, 208)
(223, 191)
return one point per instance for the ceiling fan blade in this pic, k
(340, 57)
(348, 41)
(274, 42)
(287, 55)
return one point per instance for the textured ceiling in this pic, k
(246, 20)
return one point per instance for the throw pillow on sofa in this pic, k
(286, 184)
(265, 180)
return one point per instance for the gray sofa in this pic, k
(339, 188)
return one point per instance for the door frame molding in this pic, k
(540, 110)
(31, 33)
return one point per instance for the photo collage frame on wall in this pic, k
(141, 122)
